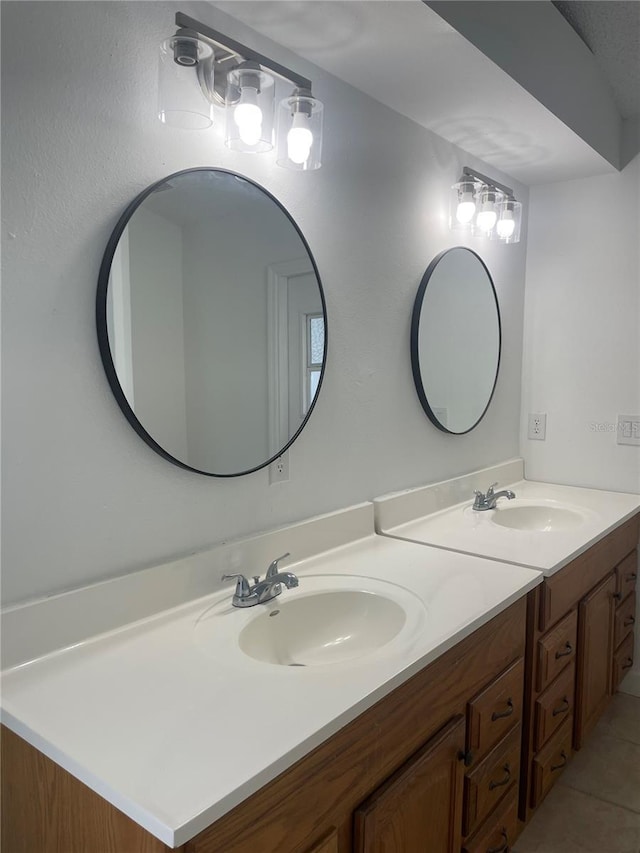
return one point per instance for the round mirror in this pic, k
(455, 340)
(212, 322)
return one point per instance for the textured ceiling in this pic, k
(611, 31)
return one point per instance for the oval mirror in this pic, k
(212, 322)
(456, 340)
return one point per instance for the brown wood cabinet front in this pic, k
(420, 807)
(329, 844)
(595, 653)
(622, 661)
(499, 831)
(579, 647)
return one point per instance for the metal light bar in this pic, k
(241, 50)
(489, 181)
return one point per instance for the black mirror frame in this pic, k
(103, 337)
(415, 328)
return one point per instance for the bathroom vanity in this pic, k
(166, 734)
(184, 731)
(431, 760)
(580, 620)
(580, 644)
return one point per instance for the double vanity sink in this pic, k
(176, 717)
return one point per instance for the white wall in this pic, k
(83, 497)
(581, 362)
(158, 345)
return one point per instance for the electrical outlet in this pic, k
(537, 430)
(279, 469)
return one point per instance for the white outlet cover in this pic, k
(537, 426)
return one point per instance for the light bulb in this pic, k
(486, 220)
(248, 116)
(506, 225)
(299, 139)
(465, 210)
(488, 215)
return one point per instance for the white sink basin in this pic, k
(541, 517)
(326, 620)
(326, 627)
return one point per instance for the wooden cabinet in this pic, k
(557, 649)
(494, 711)
(622, 660)
(419, 807)
(595, 654)
(550, 761)
(329, 844)
(498, 832)
(625, 618)
(491, 779)
(579, 642)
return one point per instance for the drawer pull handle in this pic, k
(563, 756)
(629, 621)
(504, 848)
(628, 664)
(561, 709)
(568, 650)
(498, 716)
(617, 596)
(467, 757)
(502, 782)
(631, 577)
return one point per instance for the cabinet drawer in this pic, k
(495, 710)
(498, 832)
(627, 574)
(622, 661)
(556, 649)
(490, 780)
(554, 706)
(564, 590)
(549, 763)
(624, 619)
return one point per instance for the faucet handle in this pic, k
(273, 567)
(242, 585)
(491, 488)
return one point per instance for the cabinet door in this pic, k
(419, 808)
(595, 653)
(329, 844)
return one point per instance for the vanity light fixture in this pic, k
(482, 205)
(201, 68)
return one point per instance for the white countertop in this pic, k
(463, 529)
(173, 733)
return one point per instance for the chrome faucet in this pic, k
(488, 501)
(247, 595)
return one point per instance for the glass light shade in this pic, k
(509, 220)
(300, 131)
(462, 204)
(181, 100)
(250, 106)
(487, 215)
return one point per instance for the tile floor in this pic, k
(595, 805)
